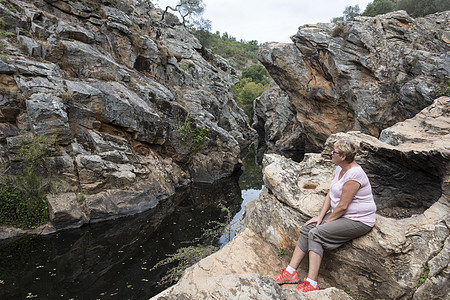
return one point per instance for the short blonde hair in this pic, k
(346, 147)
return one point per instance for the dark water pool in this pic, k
(113, 259)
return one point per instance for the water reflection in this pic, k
(251, 184)
(112, 258)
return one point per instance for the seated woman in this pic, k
(352, 215)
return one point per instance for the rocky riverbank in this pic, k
(405, 258)
(139, 107)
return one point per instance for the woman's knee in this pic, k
(313, 233)
(305, 229)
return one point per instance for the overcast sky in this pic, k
(269, 20)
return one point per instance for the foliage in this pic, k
(257, 73)
(247, 90)
(337, 19)
(339, 30)
(240, 54)
(194, 136)
(419, 8)
(445, 91)
(281, 252)
(378, 7)
(22, 200)
(19, 211)
(423, 277)
(350, 12)
(415, 8)
(189, 10)
(185, 257)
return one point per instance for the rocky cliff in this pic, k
(138, 106)
(405, 256)
(365, 75)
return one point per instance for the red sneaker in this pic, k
(304, 286)
(286, 277)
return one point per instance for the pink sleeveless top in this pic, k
(362, 208)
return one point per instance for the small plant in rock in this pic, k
(339, 30)
(184, 66)
(281, 252)
(445, 91)
(425, 272)
(184, 258)
(194, 136)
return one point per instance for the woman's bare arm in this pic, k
(323, 211)
(348, 192)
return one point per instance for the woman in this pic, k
(352, 215)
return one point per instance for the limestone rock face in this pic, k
(275, 118)
(365, 75)
(139, 108)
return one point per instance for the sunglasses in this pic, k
(334, 152)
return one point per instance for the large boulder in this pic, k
(365, 75)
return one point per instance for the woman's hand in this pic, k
(317, 220)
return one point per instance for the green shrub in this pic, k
(194, 136)
(22, 196)
(245, 92)
(19, 211)
(445, 90)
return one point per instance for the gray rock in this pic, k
(123, 28)
(33, 47)
(79, 33)
(65, 211)
(7, 130)
(274, 115)
(47, 115)
(151, 49)
(360, 75)
(116, 15)
(6, 68)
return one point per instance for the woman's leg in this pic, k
(314, 265)
(329, 236)
(297, 257)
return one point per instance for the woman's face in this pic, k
(336, 156)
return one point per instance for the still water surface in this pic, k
(113, 259)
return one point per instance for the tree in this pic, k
(203, 32)
(189, 10)
(415, 8)
(420, 8)
(350, 12)
(378, 7)
(257, 73)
